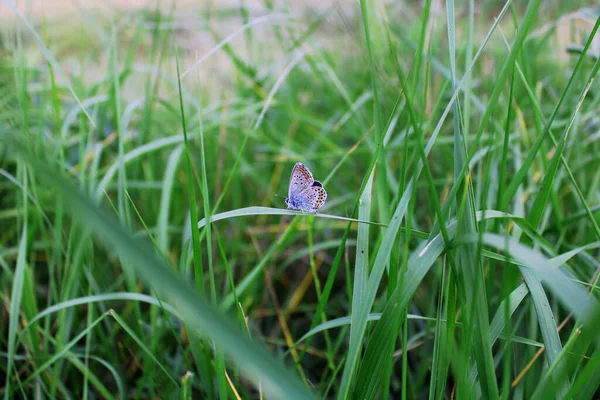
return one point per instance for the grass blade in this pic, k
(15, 308)
(255, 362)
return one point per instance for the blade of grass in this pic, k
(220, 361)
(15, 307)
(203, 362)
(547, 186)
(162, 236)
(99, 298)
(469, 257)
(526, 165)
(140, 343)
(548, 326)
(381, 184)
(255, 362)
(527, 22)
(64, 350)
(361, 266)
(240, 212)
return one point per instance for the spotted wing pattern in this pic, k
(300, 180)
(305, 193)
(315, 197)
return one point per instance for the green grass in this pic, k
(146, 251)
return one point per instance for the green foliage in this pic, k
(146, 251)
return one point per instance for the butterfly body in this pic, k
(305, 193)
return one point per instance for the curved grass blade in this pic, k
(119, 296)
(132, 155)
(255, 362)
(165, 199)
(573, 296)
(240, 212)
(74, 358)
(342, 321)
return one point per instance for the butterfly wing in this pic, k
(300, 180)
(313, 198)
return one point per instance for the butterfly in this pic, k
(305, 193)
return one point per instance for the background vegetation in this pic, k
(464, 136)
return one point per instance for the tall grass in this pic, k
(146, 251)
